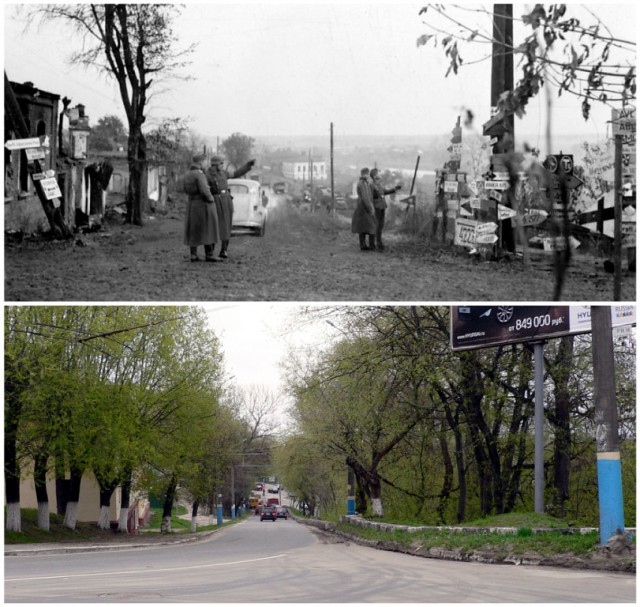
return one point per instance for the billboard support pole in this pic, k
(538, 352)
(606, 417)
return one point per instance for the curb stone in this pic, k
(602, 561)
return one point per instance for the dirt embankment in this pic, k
(303, 257)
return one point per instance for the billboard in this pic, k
(485, 326)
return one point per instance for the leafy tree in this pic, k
(133, 43)
(168, 143)
(107, 134)
(237, 148)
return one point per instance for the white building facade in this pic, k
(299, 170)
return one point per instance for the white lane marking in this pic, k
(145, 571)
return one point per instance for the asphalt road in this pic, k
(283, 561)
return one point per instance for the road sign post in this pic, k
(351, 500)
(219, 510)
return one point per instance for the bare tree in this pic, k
(587, 61)
(133, 43)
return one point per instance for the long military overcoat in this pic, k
(217, 179)
(364, 220)
(201, 220)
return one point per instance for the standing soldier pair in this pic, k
(209, 215)
(369, 215)
(217, 178)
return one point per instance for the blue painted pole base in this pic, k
(610, 495)
(220, 515)
(351, 505)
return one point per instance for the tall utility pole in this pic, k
(333, 199)
(502, 76)
(606, 418)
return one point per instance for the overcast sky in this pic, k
(278, 68)
(257, 337)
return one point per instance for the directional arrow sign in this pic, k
(496, 185)
(505, 212)
(22, 144)
(533, 217)
(486, 228)
(487, 238)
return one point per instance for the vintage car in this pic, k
(249, 212)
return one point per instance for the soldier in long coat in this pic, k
(201, 226)
(380, 204)
(363, 221)
(217, 178)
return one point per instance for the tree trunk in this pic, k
(137, 193)
(375, 490)
(168, 505)
(62, 485)
(447, 479)
(194, 516)
(40, 480)
(71, 510)
(562, 424)
(104, 522)
(13, 408)
(125, 502)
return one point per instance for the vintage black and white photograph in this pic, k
(320, 152)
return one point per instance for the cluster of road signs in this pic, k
(35, 149)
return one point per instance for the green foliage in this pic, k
(464, 421)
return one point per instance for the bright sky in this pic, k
(279, 68)
(256, 338)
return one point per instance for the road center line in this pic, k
(139, 571)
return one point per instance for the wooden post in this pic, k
(617, 219)
(333, 198)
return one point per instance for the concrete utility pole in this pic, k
(606, 417)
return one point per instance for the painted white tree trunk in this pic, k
(376, 507)
(194, 524)
(71, 515)
(14, 520)
(122, 520)
(43, 515)
(165, 526)
(211, 520)
(103, 519)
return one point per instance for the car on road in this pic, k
(249, 214)
(282, 512)
(267, 513)
(340, 202)
(259, 487)
(272, 490)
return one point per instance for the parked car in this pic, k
(249, 215)
(259, 487)
(339, 202)
(282, 512)
(268, 513)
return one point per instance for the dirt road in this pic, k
(303, 257)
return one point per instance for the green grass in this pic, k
(32, 534)
(88, 531)
(546, 543)
(524, 540)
